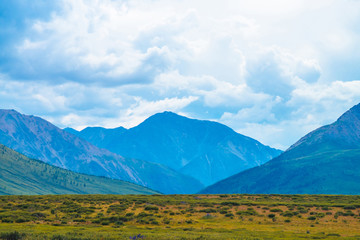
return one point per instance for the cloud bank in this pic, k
(272, 70)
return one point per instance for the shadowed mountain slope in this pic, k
(39, 139)
(205, 150)
(325, 161)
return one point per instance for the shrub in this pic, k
(251, 212)
(276, 210)
(349, 207)
(117, 208)
(349, 213)
(142, 215)
(302, 210)
(288, 214)
(208, 210)
(7, 220)
(12, 236)
(38, 215)
(21, 220)
(119, 223)
(151, 208)
(230, 204)
(333, 235)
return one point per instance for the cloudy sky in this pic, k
(270, 69)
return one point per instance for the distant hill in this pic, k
(39, 139)
(21, 175)
(205, 150)
(325, 161)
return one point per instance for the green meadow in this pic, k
(63, 217)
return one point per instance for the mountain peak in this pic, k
(325, 161)
(9, 111)
(164, 118)
(344, 134)
(206, 150)
(166, 114)
(39, 139)
(353, 114)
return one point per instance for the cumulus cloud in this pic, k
(87, 42)
(278, 72)
(213, 92)
(273, 70)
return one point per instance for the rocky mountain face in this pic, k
(205, 150)
(39, 139)
(325, 161)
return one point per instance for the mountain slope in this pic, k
(39, 139)
(22, 176)
(205, 150)
(325, 161)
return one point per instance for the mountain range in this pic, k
(21, 175)
(205, 150)
(37, 138)
(174, 154)
(325, 161)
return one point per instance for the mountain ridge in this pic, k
(21, 175)
(324, 161)
(39, 139)
(198, 148)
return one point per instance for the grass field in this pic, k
(60, 217)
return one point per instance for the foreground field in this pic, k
(62, 217)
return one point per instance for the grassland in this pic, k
(62, 217)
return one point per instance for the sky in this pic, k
(270, 69)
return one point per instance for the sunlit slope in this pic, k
(22, 175)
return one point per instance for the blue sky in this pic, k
(273, 70)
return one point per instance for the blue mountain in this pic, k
(36, 138)
(205, 150)
(325, 161)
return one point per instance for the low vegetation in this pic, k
(63, 217)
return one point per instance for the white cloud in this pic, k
(142, 109)
(311, 106)
(264, 68)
